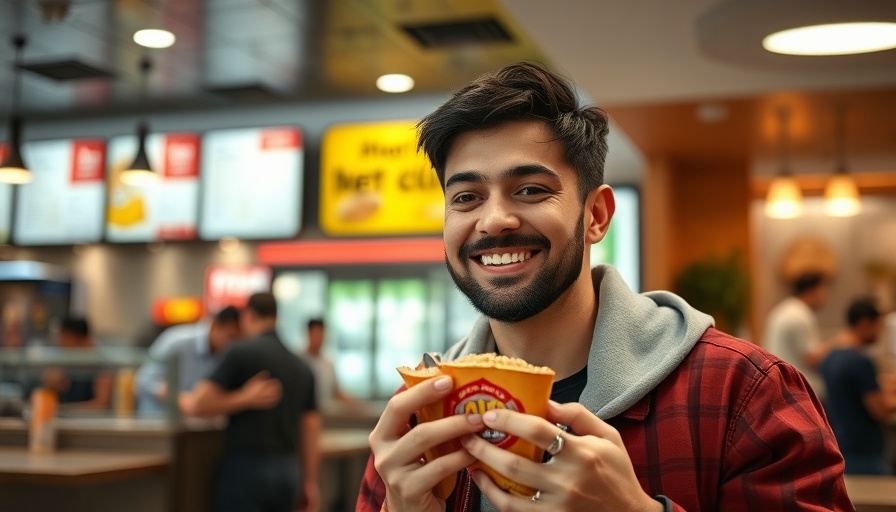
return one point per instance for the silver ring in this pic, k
(557, 445)
(537, 496)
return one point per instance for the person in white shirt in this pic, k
(326, 383)
(792, 332)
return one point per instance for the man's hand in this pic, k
(591, 472)
(54, 378)
(261, 392)
(398, 453)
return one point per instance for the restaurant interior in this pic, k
(280, 160)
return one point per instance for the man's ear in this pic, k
(599, 209)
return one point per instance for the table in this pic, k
(18, 465)
(872, 493)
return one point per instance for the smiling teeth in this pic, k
(504, 259)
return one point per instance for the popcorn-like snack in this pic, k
(483, 382)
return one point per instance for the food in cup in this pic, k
(483, 382)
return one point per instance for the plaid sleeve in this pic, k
(373, 491)
(781, 453)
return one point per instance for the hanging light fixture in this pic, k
(841, 195)
(13, 169)
(140, 173)
(784, 199)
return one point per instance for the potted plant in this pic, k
(718, 286)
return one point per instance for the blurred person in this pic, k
(83, 388)
(858, 406)
(792, 332)
(268, 394)
(326, 382)
(664, 412)
(198, 347)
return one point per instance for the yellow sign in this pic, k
(374, 182)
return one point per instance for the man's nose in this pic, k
(497, 217)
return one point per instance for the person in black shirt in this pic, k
(268, 394)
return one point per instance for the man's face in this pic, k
(868, 330)
(315, 338)
(514, 222)
(223, 334)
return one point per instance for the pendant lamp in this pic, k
(13, 169)
(841, 195)
(140, 173)
(784, 199)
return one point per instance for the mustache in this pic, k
(497, 242)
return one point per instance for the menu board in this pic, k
(63, 204)
(5, 202)
(166, 210)
(251, 183)
(373, 181)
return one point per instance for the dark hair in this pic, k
(263, 304)
(861, 309)
(75, 325)
(519, 92)
(316, 322)
(228, 316)
(807, 281)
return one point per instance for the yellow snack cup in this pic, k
(483, 382)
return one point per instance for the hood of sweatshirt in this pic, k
(638, 340)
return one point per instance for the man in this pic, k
(792, 332)
(78, 387)
(259, 470)
(198, 348)
(667, 412)
(857, 405)
(326, 383)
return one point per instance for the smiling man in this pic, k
(659, 410)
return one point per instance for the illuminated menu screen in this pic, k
(165, 210)
(251, 183)
(5, 202)
(63, 204)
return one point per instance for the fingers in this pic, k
(500, 499)
(402, 405)
(582, 421)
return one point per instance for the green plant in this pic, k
(718, 286)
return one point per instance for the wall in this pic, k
(855, 242)
(122, 280)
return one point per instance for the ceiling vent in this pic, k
(64, 70)
(246, 93)
(458, 33)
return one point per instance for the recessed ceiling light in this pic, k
(395, 83)
(833, 39)
(154, 38)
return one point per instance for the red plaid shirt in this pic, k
(732, 428)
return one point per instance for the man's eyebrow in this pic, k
(464, 177)
(520, 171)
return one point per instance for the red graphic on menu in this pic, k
(4, 150)
(181, 152)
(88, 161)
(280, 138)
(231, 285)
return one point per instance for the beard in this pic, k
(501, 303)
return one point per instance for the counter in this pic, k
(149, 464)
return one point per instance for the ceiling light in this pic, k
(154, 38)
(13, 169)
(841, 195)
(140, 173)
(784, 199)
(395, 83)
(833, 39)
(735, 31)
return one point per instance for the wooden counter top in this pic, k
(871, 490)
(343, 442)
(17, 465)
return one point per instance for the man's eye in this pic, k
(464, 198)
(531, 191)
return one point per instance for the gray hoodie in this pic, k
(639, 339)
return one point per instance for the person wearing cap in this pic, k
(652, 408)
